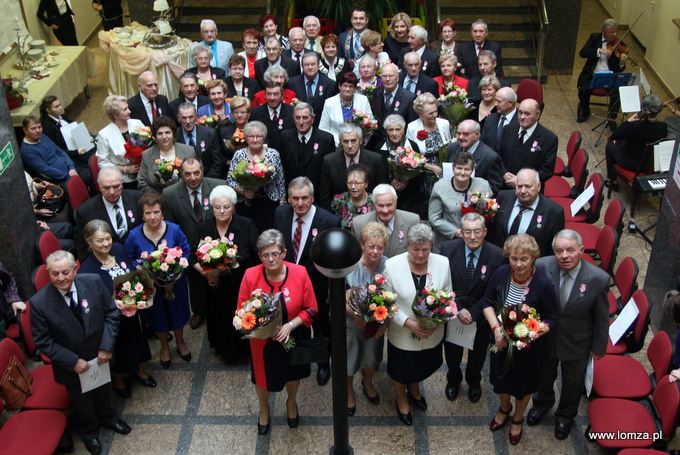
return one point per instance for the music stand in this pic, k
(611, 82)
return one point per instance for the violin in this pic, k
(619, 49)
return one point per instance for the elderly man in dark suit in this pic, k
(525, 211)
(188, 86)
(187, 203)
(486, 63)
(527, 145)
(505, 115)
(303, 220)
(386, 212)
(391, 98)
(115, 205)
(580, 333)
(304, 147)
(275, 115)
(414, 80)
(472, 262)
(334, 168)
(417, 41)
(488, 164)
(75, 321)
(313, 87)
(272, 48)
(469, 52)
(202, 138)
(146, 105)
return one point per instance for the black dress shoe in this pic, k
(295, 421)
(351, 411)
(147, 382)
(166, 364)
(406, 419)
(562, 430)
(451, 391)
(263, 429)
(373, 400)
(474, 394)
(186, 357)
(120, 427)
(580, 119)
(323, 374)
(124, 393)
(420, 403)
(534, 417)
(93, 446)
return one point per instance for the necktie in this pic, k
(154, 114)
(351, 161)
(565, 288)
(388, 100)
(357, 44)
(275, 117)
(516, 222)
(312, 44)
(75, 308)
(197, 207)
(499, 133)
(479, 50)
(310, 93)
(297, 57)
(297, 237)
(120, 223)
(409, 85)
(192, 143)
(521, 136)
(470, 267)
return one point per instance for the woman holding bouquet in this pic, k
(221, 301)
(110, 260)
(356, 200)
(217, 92)
(366, 71)
(112, 138)
(165, 314)
(409, 343)
(445, 211)
(488, 86)
(448, 64)
(271, 371)
(362, 352)
(515, 372)
(338, 108)
(258, 204)
(232, 137)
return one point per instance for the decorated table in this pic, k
(129, 57)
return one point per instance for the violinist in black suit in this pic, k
(146, 105)
(312, 82)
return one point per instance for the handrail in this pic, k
(544, 25)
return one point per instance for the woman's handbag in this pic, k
(15, 385)
(310, 350)
(50, 197)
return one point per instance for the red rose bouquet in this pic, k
(368, 124)
(406, 163)
(253, 174)
(140, 139)
(481, 203)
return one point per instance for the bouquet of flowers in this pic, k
(454, 104)
(168, 171)
(481, 203)
(217, 256)
(294, 102)
(166, 265)
(133, 291)
(378, 72)
(14, 94)
(215, 120)
(366, 90)
(434, 307)
(372, 303)
(140, 139)
(237, 141)
(406, 163)
(253, 174)
(367, 124)
(260, 316)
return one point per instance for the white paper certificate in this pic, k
(621, 324)
(589, 376)
(460, 334)
(95, 376)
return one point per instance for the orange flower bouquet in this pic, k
(373, 303)
(260, 316)
(168, 171)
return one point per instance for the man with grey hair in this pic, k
(296, 38)
(334, 169)
(385, 211)
(581, 331)
(468, 52)
(391, 98)
(74, 322)
(417, 41)
(188, 86)
(203, 139)
(222, 50)
(487, 64)
(301, 221)
(506, 114)
(273, 56)
(413, 79)
(312, 27)
(304, 147)
(275, 114)
(311, 86)
(147, 104)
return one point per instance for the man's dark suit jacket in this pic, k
(489, 134)
(334, 174)
(305, 161)
(425, 84)
(207, 148)
(324, 90)
(94, 209)
(402, 104)
(490, 258)
(261, 65)
(488, 164)
(289, 53)
(138, 111)
(59, 335)
(473, 88)
(590, 53)
(429, 61)
(517, 156)
(467, 58)
(285, 113)
(178, 208)
(174, 105)
(249, 85)
(552, 221)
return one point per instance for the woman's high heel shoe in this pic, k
(494, 425)
(515, 438)
(264, 429)
(406, 419)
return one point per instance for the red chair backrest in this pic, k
(595, 201)
(8, 348)
(573, 145)
(666, 398)
(606, 248)
(47, 244)
(643, 306)
(625, 278)
(660, 354)
(77, 192)
(94, 170)
(579, 169)
(41, 277)
(529, 88)
(25, 328)
(613, 216)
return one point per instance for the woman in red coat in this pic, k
(270, 369)
(448, 64)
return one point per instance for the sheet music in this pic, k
(621, 324)
(663, 152)
(582, 199)
(645, 83)
(95, 376)
(460, 334)
(630, 98)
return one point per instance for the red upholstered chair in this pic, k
(33, 432)
(47, 394)
(618, 376)
(47, 244)
(625, 280)
(614, 415)
(606, 248)
(41, 277)
(592, 214)
(529, 88)
(633, 340)
(573, 145)
(77, 192)
(557, 186)
(93, 163)
(613, 217)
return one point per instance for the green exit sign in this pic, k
(6, 157)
